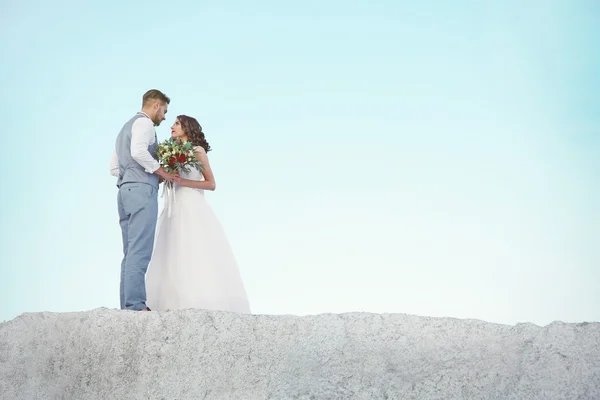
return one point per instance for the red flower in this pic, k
(172, 161)
(181, 158)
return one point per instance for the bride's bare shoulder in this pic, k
(199, 149)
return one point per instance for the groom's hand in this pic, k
(164, 175)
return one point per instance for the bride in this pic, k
(192, 264)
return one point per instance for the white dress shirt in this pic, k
(142, 136)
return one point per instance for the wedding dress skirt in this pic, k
(192, 265)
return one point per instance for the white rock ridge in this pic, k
(196, 354)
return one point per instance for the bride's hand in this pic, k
(172, 175)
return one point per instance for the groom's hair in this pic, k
(155, 94)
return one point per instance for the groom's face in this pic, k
(161, 111)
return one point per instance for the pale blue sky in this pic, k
(422, 157)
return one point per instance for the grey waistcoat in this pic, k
(129, 169)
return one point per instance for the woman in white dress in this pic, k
(192, 264)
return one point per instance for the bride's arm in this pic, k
(209, 179)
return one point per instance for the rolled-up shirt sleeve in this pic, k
(142, 136)
(114, 164)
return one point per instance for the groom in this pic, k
(135, 164)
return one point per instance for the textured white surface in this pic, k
(195, 354)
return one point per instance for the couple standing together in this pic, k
(181, 259)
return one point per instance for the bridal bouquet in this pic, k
(177, 156)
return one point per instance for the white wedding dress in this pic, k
(192, 264)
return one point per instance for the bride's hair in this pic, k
(193, 130)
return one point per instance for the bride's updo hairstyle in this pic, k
(193, 130)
